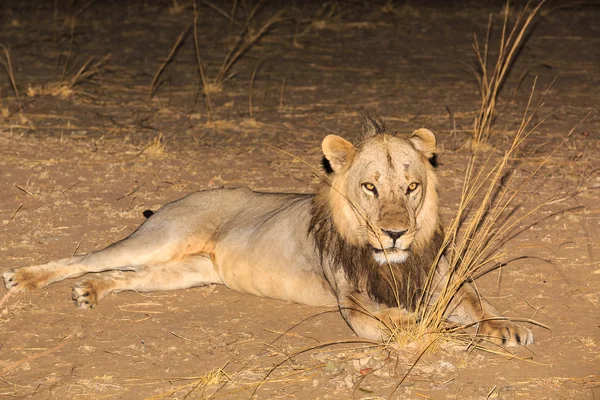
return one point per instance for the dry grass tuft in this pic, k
(197, 388)
(71, 86)
(157, 146)
(205, 85)
(491, 82)
(485, 217)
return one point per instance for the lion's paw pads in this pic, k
(18, 281)
(9, 278)
(506, 333)
(84, 295)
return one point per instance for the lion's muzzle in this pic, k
(394, 235)
(392, 246)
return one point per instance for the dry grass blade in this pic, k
(281, 93)
(8, 65)
(15, 213)
(421, 354)
(15, 364)
(218, 10)
(252, 87)
(167, 60)
(232, 14)
(4, 298)
(71, 52)
(491, 82)
(205, 86)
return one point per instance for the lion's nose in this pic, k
(394, 235)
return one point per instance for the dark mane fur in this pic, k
(370, 125)
(361, 269)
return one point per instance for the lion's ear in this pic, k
(424, 141)
(338, 151)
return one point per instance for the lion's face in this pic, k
(383, 192)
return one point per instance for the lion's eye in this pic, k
(412, 187)
(369, 188)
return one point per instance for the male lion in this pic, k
(375, 224)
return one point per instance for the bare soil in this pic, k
(79, 163)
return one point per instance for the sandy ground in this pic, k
(80, 159)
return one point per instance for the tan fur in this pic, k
(365, 243)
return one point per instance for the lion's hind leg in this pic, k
(197, 270)
(131, 253)
(25, 279)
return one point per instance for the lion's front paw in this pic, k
(396, 316)
(19, 280)
(84, 295)
(505, 333)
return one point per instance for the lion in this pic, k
(375, 221)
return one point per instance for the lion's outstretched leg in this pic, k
(468, 307)
(182, 274)
(37, 276)
(132, 253)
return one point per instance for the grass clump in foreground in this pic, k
(486, 212)
(486, 216)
